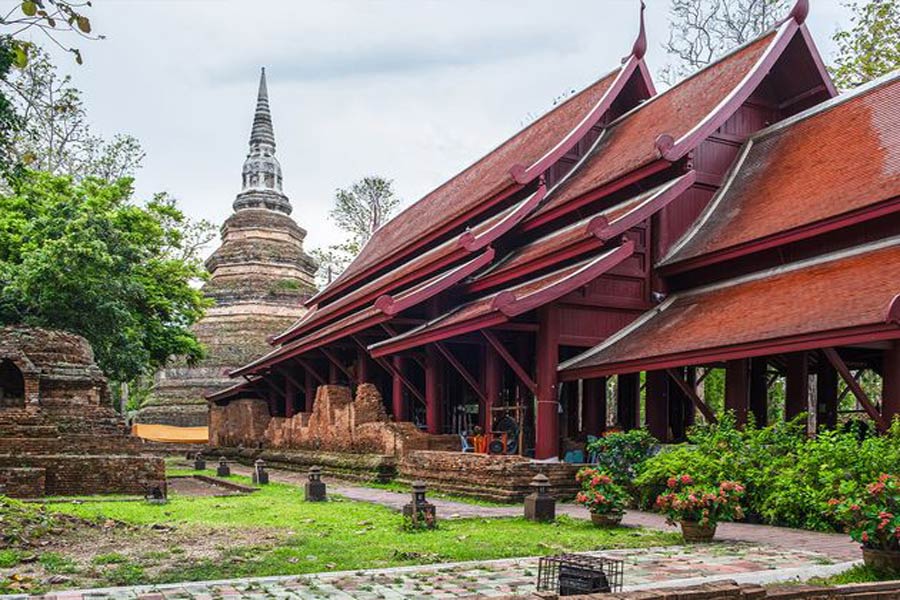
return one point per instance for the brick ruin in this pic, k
(259, 278)
(59, 435)
(354, 438)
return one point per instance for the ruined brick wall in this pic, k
(22, 482)
(338, 423)
(729, 590)
(73, 475)
(500, 478)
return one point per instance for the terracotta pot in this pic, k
(881, 560)
(606, 520)
(694, 532)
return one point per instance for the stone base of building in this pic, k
(34, 476)
(349, 466)
(177, 415)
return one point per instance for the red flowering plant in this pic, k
(599, 494)
(872, 518)
(684, 500)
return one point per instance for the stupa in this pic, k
(259, 278)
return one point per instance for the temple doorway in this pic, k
(12, 385)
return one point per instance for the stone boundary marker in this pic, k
(730, 590)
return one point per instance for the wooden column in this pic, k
(628, 401)
(547, 354)
(759, 391)
(737, 389)
(796, 389)
(890, 403)
(594, 406)
(656, 407)
(363, 371)
(333, 374)
(290, 397)
(493, 381)
(826, 395)
(680, 407)
(433, 390)
(398, 407)
(310, 392)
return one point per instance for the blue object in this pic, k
(466, 446)
(575, 457)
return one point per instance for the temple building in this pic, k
(259, 279)
(746, 219)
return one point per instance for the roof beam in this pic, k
(691, 393)
(508, 358)
(287, 375)
(841, 367)
(310, 371)
(334, 360)
(461, 369)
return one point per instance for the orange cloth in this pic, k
(169, 433)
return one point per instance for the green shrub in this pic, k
(9, 558)
(789, 478)
(620, 454)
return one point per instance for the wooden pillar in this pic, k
(826, 394)
(547, 353)
(594, 406)
(310, 394)
(737, 389)
(628, 401)
(759, 391)
(333, 374)
(890, 396)
(493, 381)
(680, 407)
(796, 388)
(290, 394)
(398, 407)
(362, 367)
(433, 390)
(657, 405)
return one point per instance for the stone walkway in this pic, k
(837, 546)
(643, 568)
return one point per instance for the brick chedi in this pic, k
(260, 277)
(58, 432)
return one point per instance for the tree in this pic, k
(359, 211)
(701, 30)
(49, 17)
(871, 47)
(9, 120)
(54, 134)
(83, 257)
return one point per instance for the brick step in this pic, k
(28, 431)
(73, 444)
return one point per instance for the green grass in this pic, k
(9, 558)
(857, 574)
(345, 535)
(394, 486)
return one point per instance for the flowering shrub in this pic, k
(872, 518)
(599, 493)
(621, 453)
(705, 505)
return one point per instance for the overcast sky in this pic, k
(413, 91)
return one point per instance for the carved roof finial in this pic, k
(263, 132)
(640, 44)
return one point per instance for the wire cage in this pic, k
(573, 574)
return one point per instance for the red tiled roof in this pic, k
(447, 253)
(837, 158)
(630, 142)
(500, 306)
(583, 236)
(812, 301)
(362, 319)
(480, 182)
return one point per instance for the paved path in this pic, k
(643, 568)
(837, 546)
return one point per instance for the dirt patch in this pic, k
(204, 486)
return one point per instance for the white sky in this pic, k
(410, 90)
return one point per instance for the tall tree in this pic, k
(701, 30)
(9, 120)
(55, 134)
(871, 46)
(49, 17)
(358, 210)
(83, 257)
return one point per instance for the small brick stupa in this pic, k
(260, 276)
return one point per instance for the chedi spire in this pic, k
(261, 176)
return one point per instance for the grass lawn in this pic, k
(274, 532)
(857, 574)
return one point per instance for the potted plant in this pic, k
(700, 508)
(873, 519)
(604, 499)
